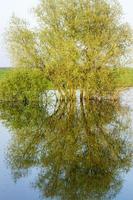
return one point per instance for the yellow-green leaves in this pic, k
(23, 45)
(23, 85)
(76, 43)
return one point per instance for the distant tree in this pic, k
(79, 43)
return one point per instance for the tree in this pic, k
(22, 45)
(79, 43)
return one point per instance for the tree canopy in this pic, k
(78, 43)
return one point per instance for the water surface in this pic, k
(68, 151)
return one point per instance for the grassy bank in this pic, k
(125, 76)
(3, 72)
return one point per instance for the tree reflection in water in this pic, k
(80, 150)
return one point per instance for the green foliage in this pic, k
(125, 78)
(22, 45)
(76, 43)
(3, 72)
(23, 85)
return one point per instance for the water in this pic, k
(67, 151)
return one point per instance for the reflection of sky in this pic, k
(8, 188)
(127, 191)
(22, 9)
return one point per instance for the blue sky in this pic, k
(22, 8)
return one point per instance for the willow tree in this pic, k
(78, 43)
(22, 45)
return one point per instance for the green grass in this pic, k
(3, 72)
(125, 78)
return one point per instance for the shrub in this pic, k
(23, 85)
